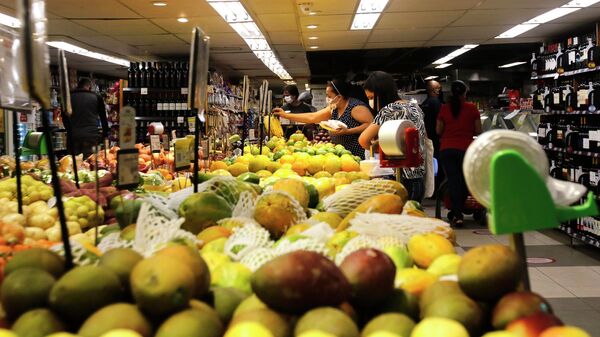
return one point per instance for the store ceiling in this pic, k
(135, 29)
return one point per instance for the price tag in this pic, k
(144, 91)
(182, 154)
(586, 143)
(165, 141)
(155, 143)
(542, 132)
(512, 114)
(192, 124)
(180, 119)
(556, 99)
(521, 119)
(184, 91)
(127, 128)
(128, 174)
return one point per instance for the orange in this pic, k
(424, 248)
(300, 166)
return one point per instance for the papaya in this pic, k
(383, 203)
(202, 210)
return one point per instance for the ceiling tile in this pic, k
(497, 17)
(212, 24)
(335, 7)
(145, 40)
(167, 49)
(291, 37)
(549, 30)
(521, 4)
(269, 6)
(288, 47)
(105, 44)
(326, 23)
(403, 35)
(174, 9)
(122, 27)
(278, 22)
(328, 37)
(78, 9)
(418, 19)
(467, 33)
(68, 28)
(386, 45)
(430, 6)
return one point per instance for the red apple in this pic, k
(533, 325)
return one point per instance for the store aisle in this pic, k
(568, 276)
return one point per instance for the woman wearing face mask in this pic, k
(382, 92)
(292, 104)
(352, 112)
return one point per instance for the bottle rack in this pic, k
(572, 143)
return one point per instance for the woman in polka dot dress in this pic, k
(355, 114)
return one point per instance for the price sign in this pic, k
(184, 91)
(128, 175)
(127, 128)
(180, 119)
(144, 91)
(165, 141)
(192, 124)
(586, 143)
(182, 154)
(155, 143)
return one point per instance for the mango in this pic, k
(162, 285)
(327, 320)
(121, 261)
(116, 316)
(517, 305)
(488, 272)
(274, 322)
(191, 323)
(299, 281)
(438, 290)
(202, 210)
(191, 258)
(40, 258)
(226, 301)
(25, 289)
(439, 327)
(371, 274)
(83, 290)
(249, 304)
(459, 308)
(394, 323)
(38, 323)
(383, 203)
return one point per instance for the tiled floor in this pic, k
(571, 283)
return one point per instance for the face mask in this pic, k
(288, 99)
(372, 104)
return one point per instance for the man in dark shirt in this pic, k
(431, 108)
(83, 123)
(293, 105)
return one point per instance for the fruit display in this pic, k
(322, 136)
(295, 241)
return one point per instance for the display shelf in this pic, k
(157, 90)
(566, 73)
(154, 118)
(581, 236)
(574, 112)
(577, 153)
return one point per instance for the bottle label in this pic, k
(172, 106)
(184, 106)
(178, 106)
(582, 96)
(144, 91)
(159, 106)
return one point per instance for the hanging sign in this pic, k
(128, 174)
(127, 128)
(182, 154)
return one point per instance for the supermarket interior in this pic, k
(300, 168)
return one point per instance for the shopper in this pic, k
(382, 92)
(431, 108)
(291, 101)
(87, 107)
(352, 112)
(457, 124)
(306, 98)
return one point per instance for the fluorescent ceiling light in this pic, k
(313, 38)
(258, 44)
(312, 26)
(364, 21)
(314, 47)
(581, 3)
(159, 4)
(510, 65)
(516, 31)
(456, 53)
(371, 6)
(553, 14)
(183, 20)
(431, 78)
(9, 21)
(312, 13)
(84, 52)
(231, 11)
(442, 66)
(290, 82)
(247, 30)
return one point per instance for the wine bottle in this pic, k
(561, 61)
(131, 75)
(150, 75)
(534, 65)
(185, 77)
(173, 106)
(137, 75)
(173, 76)
(143, 76)
(159, 106)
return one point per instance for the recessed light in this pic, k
(312, 26)
(314, 47)
(159, 4)
(313, 38)
(312, 13)
(183, 20)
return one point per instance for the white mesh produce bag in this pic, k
(400, 227)
(245, 205)
(112, 241)
(359, 242)
(255, 258)
(161, 204)
(347, 199)
(245, 239)
(287, 246)
(81, 256)
(229, 188)
(240, 219)
(298, 212)
(321, 232)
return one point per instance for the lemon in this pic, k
(248, 329)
